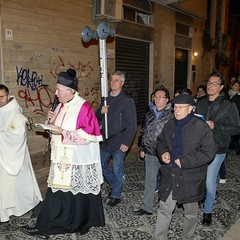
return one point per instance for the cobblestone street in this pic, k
(121, 224)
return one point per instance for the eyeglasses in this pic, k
(61, 90)
(180, 107)
(214, 84)
(3, 96)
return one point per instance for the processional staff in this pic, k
(103, 31)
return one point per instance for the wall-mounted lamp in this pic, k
(195, 54)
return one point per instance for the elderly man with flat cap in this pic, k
(185, 147)
(73, 202)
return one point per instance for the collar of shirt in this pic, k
(157, 112)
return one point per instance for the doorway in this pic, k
(181, 69)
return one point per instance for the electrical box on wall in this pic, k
(8, 34)
(107, 10)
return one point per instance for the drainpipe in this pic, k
(213, 20)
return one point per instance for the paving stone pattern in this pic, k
(122, 224)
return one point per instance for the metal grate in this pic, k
(132, 57)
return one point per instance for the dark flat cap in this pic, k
(183, 99)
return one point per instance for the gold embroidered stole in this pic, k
(62, 155)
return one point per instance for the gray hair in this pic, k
(119, 73)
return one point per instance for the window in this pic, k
(182, 29)
(136, 16)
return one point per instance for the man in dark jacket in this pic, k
(122, 126)
(222, 117)
(186, 147)
(234, 96)
(153, 124)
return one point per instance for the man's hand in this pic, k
(123, 148)
(166, 157)
(210, 124)
(58, 131)
(104, 109)
(142, 154)
(51, 117)
(177, 161)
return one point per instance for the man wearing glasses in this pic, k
(153, 124)
(222, 117)
(19, 189)
(73, 200)
(185, 147)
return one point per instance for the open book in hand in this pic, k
(49, 127)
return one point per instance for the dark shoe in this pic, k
(84, 231)
(114, 201)
(110, 195)
(32, 231)
(207, 219)
(141, 212)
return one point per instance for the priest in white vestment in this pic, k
(19, 191)
(73, 201)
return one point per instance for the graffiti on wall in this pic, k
(94, 92)
(83, 70)
(36, 57)
(30, 124)
(37, 94)
(28, 79)
(41, 99)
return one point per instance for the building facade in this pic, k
(155, 43)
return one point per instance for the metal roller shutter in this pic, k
(132, 57)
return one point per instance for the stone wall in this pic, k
(46, 39)
(39, 39)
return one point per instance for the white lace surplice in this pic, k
(75, 161)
